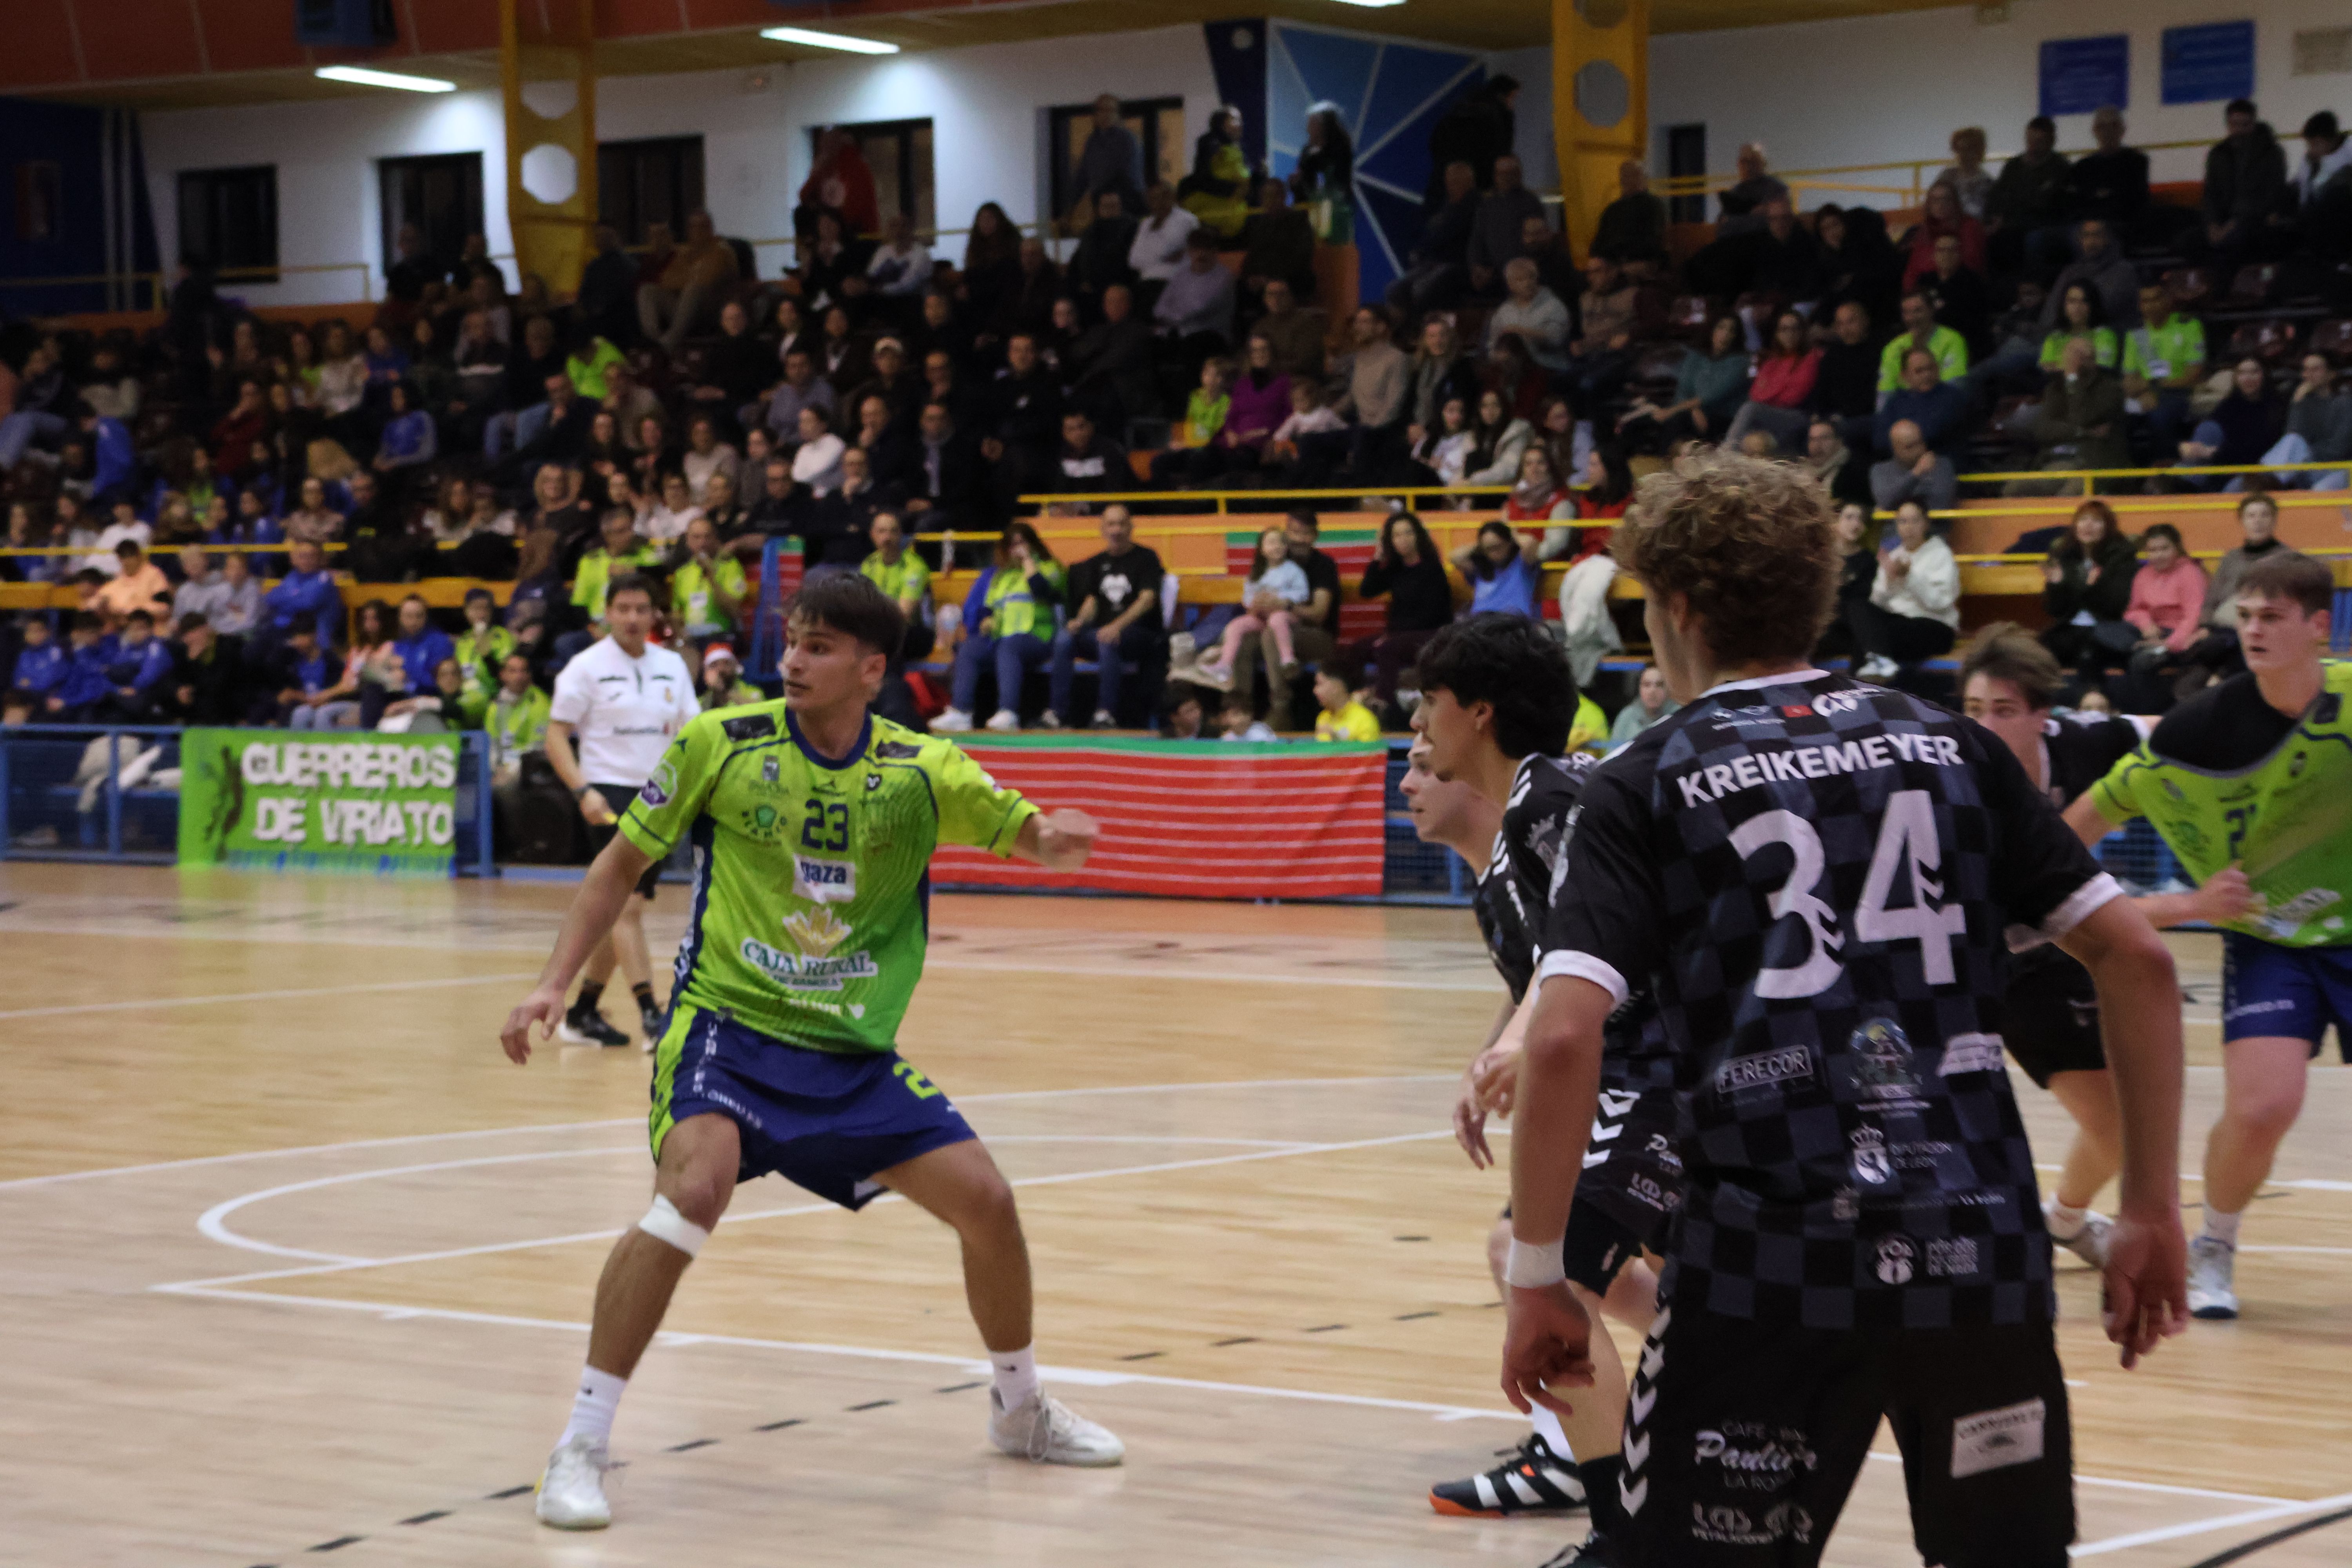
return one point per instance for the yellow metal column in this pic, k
(546, 60)
(1601, 102)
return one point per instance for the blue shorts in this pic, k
(825, 1121)
(2269, 992)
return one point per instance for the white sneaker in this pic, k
(2090, 1243)
(1004, 720)
(1049, 1432)
(1213, 676)
(571, 1488)
(2211, 1292)
(954, 722)
(1105, 720)
(1049, 719)
(1878, 667)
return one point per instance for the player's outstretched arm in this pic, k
(1059, 841)
(2139, 1014)
(607, 886)
(1549, 1339)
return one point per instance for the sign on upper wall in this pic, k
(2208, 63)
(2080, 76)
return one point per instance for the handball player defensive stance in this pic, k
(1815, 878)
(813, 824)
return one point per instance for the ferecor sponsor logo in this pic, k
(1764, 1069)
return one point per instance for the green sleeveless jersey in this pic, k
(812, 874)
(2286, 819)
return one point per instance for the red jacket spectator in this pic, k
(842, 181)
(1786, 381)
(2167, 600)
(233, 437)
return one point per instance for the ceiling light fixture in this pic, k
(829, 40)
(1371, 2)
(360, 77)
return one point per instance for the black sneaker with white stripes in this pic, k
(1593, 1551)
(587, 1026)
(1530, 1479)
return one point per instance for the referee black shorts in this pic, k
(618, 797)
(2049, 1016)
(1743, 1439)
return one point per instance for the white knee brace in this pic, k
(663, 1223)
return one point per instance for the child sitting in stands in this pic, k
(1239, 724)
(1343, 718)
(1276, 582)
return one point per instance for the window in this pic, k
(1158, 123)
(442, 196)
(41, 194)
(899, 153)
(639, 183)
(228, 222)
(1686, 156)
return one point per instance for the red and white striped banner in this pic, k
(1196, 820)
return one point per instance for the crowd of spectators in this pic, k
(680, 410)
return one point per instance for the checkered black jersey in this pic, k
(1815, 878)
(1515, 886)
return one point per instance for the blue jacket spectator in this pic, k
(116, 463)
(421, 645)
(307, 588)
(41, 664)
(1940, 411)
(140, 661)
(85, 684)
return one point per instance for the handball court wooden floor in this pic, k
(293, 1262)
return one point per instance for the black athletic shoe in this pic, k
(1530, 1479)
(651, 1020)
(1594, 1551)
(586, 1026)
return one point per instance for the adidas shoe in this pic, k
(586, 1026)
(2212, 1294)
(571, 1488)
(1049, 1432)
(1530, 1479)
(2090, 1243)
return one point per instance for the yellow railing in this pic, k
(1921, 170)
(1222, 497)
(2090, 476)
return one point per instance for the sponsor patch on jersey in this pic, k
(1764, 1069)
(662, 785)
(1995, 1439)
(1953, 1257)
(750, 726)
(1897, 1258)
(1871, 1166)
(795, 972)
(1970, 1053)
(824, 882)
(897, 752)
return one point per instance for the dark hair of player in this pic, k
(1751, 544)
(626, 582)
(850, 604)
(1512, 662)
(2007, 651)
(2288, 574)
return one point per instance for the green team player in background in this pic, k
(813, 824)
(2256, 771)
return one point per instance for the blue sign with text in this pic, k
(2080, 76)
(2209, 63)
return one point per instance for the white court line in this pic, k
(213, 1222)
(2164, 1488)
(488, 1248)
(437, 983)
(2280, 1509)
(639, 1122)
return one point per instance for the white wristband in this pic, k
(1533, 1268)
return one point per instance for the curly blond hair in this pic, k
(1751, 544)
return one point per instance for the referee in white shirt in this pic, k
(621, 701)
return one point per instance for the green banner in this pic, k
(276, 801)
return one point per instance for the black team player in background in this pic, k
(1814, 879)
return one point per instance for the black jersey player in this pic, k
(1815, 878)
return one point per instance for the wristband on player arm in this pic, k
(1534, 1268)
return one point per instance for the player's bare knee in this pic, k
(700, 1196)
(2267, 1112)
(989, 1209)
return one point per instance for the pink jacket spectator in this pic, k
(2167, 602)
(1784, 382)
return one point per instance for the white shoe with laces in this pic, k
(2090, 1243)
(1004, 720)
(571, 1488)
(953, 722)
(2212, 1293)
(1048, 1431)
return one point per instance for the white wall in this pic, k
(1876, 88)
(985, 105)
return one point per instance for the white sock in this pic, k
(593, 1407)
(2222, 1227)
(1016, 1375)
(1548, 1428)
(2065, 1224)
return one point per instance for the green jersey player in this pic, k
(2256, 773)
(813, 824)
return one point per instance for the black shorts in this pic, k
(2049, 1016)
(1743, 1439)
(1628, 1190)
(618, 797)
